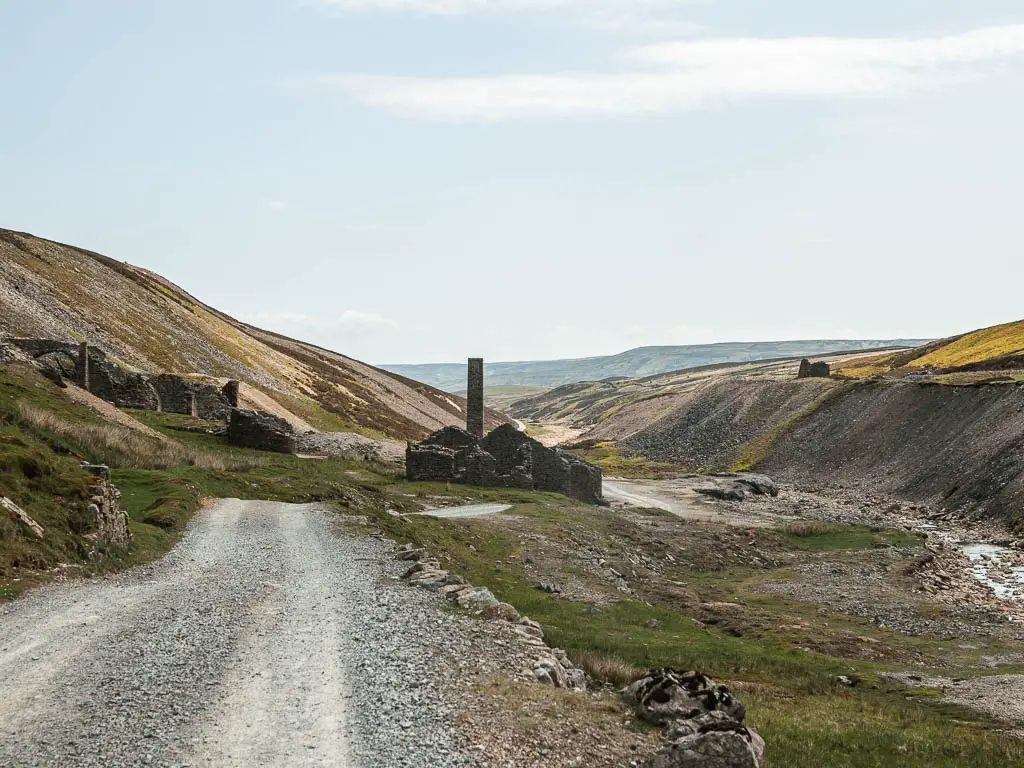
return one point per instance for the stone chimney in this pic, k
(475, 397)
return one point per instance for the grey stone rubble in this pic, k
(505, 458)
(551, 666)
(108, 523)
(261, 431)
(809, 370)
(352, 446)
(702, 721)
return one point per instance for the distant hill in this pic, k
(643, 361)
(143, 321)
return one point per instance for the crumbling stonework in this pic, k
(809, 370)
(506, 458)
(192, 398)
(91, 369)
(108, 523)
(261, 431)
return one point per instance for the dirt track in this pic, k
(262, 639)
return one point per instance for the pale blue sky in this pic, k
(424, 180)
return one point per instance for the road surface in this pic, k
(263, 639)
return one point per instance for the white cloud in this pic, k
(463, 7)
(694, 74)
(277, 206)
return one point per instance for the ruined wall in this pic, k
(193, 398)
(809, 370)
(261, 431)
(107, 522)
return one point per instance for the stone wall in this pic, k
(506, 458)
(261, 431)
(107, 522)
(126, 388)
(193, 398)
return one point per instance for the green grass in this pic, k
(614, 463)
(821, 537)
(806, 718)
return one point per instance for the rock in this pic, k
(665, 695)
(20, 516)
(703, 721)
(260, 431)
(724, 745)
(476, 599)
(501, 612)
(723, 494)
(549, 588)
(762, 485)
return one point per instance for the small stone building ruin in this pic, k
(505, 458)
(809, 370)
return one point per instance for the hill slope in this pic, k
(50, 290)
(643, 361)
(1000, 347)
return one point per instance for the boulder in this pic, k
(762, 485)
(710, 742)
(663, 696)
(261, 431)
(476, 599)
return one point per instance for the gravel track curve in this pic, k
(263, 638)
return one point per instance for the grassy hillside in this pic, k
(50, 290)
(998, 348)
(643, 361)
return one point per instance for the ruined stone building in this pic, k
(505, 458)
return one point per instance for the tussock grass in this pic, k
(121, 447)
(607, 669)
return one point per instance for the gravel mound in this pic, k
(351, 445)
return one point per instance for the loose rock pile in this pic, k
(734, 486)
(703, 721)
(551, 666)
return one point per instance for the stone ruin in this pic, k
(505, 458)
(261, 431)
(809, 370)
(91, 369)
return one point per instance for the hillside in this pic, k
(643, 361)
(54, 291)
(999, 348)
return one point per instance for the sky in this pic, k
(413, 181)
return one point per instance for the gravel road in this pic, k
(263, 639)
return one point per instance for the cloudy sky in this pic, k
(425, 180)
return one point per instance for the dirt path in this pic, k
(679, 498)
(262, 639)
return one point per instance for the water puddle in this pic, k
(989, 566)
